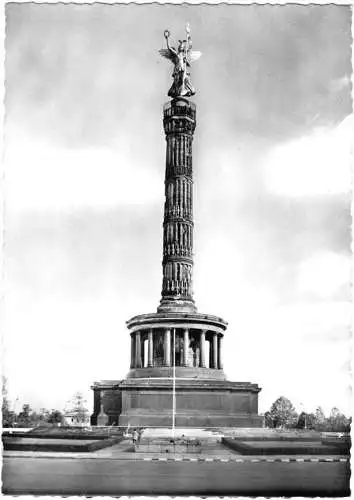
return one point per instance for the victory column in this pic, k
(169, 348)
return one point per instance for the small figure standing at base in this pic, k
(181, 58)
(135, 436)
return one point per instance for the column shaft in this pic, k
(132, 348)
(202, 348)
(168, 347)
(137, 350)
(185, 347)
(150, 348)
(220, 352)
(215, 350)
(179, 125)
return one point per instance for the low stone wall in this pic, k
(166, 446)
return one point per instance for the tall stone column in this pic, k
(150, 348)
(137, 350)
(185, 347)
(179, 125)
(215, 350)
(132, 351)
(202, 348)
(167, 347)
(220, 353)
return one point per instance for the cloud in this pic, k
(300, 350)
(339, 84)
(62, 333)
(316, 164)
(323, 274)
(79, 74)
(41, 178)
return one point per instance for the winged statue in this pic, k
(182, 57)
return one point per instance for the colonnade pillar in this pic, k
(132, 361)
(215, 350)
(150, 348)
(215, 357)
(220, 360)
(202, 348)
(185, 347)
(167, 349)
(137, 350)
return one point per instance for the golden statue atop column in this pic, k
(182, 57)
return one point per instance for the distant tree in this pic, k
(311, 421)
(306, 421)
(347, 424)
(282, 413)
(44, 414)
(79, 408)
(268, 421)
(39, 417)
(34, 418)
(302, 421)
(24, 417)
(8, 416)
(55, 417)
(338, 422)
(320, 419)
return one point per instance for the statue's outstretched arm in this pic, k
(171, 49)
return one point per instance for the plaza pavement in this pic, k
(75, 476)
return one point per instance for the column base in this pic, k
(176, 305)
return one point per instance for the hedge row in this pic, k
(247, 449)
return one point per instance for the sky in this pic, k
(84, 189)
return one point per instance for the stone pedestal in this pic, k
(199, 403)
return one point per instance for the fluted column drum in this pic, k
(177, 288)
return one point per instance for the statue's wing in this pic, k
(194, 55)
(168, 54)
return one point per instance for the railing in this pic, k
(170, 109)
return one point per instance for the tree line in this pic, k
(282, 414)
(27, 417)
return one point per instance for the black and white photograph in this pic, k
(176, 249)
